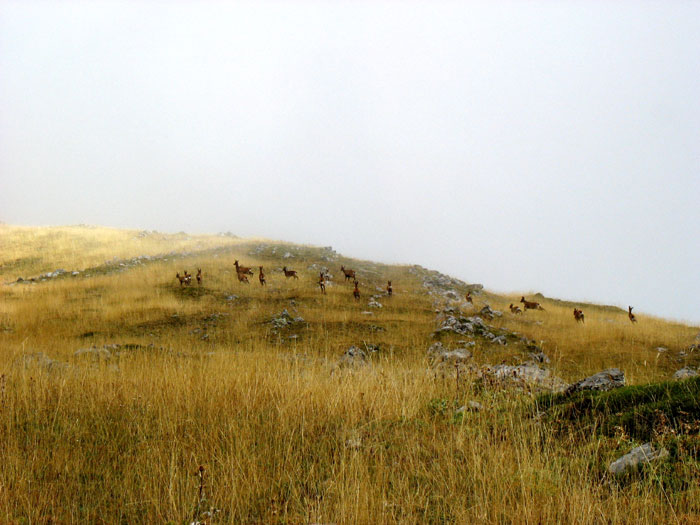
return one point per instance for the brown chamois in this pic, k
(356, 292)
(290, 273)
(188, 278)
(242, 269)
(389, 289)
(261, 277)
(242, 278)
(531, 305)
(631, 315)
(322, 282)
(468, 297)
(181, 278)
(199, 276)
(515, 309)
(578, 315)
(349, 274)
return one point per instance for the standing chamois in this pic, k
(181, 278)
(322, 282)
(631, 315)
(389, 289)
(531, 305)
(578, 315)
(349, 274)
(290, 273)
(261, 276)
(356, 292)
(468, 297)
(515, 309)
(242, 269)
(199, 276)
(188, 278)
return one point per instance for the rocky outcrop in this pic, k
(637, 457)
(601, 382)
(527, 376)
(685, 373)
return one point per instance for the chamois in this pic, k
(322, 282)
(468, 297)
(199, 276)
(389, 289)
(356, 292)
(290, 273)
(578, 315)
(348, 273)
(515, 309)
(261, 276)
(181, 278)
(531, 305)
(188, 278)
(631, 315)
(242, 269)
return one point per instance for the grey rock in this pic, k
(602, 381)
(374, 304)
(353, 357)
(661, 349)
(41, 360)
(685, 373)
(94, 354)
(539, 357)
(635, 458)
(501, 340)
(528, 376)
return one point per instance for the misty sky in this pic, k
(529, 146)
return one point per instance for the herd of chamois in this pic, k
(242, 272)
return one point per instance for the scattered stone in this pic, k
(367, 313)
(353, 357)
(601, 382)
(374, 304)
(501, 340)
(661, 349)
(488, 313)
(635, 458)
(526, 376)
(94, 354)
(685, 373)
(231, 297)
(41, 360)
(539, 357)
(284, 319)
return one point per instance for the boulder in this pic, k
(527, 376)
(602, 381)
(635, 458)
(353, 357)
(685, 373)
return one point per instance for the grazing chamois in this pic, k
(188, 278)
(290, 273)
(181, 278)
(468, 297)
(389, 289)
(261, 276)
(578, 315)
(199, 276)
(356, 292)
(242, 269)
(349, 274)
(631, 315)
(322, 282)
(242, 278)
(515, 309)
(531, 305)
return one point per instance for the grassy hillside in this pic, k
(193, 405)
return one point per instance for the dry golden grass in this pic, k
(284, 436)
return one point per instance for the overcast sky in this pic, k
(529, 146)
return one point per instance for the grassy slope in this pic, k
(282, 434)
